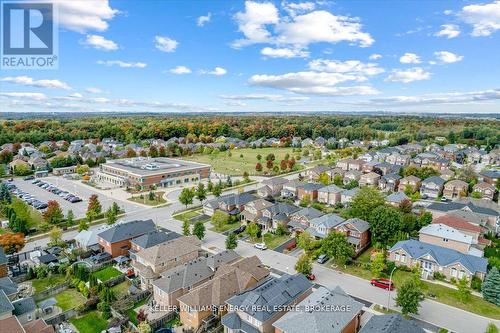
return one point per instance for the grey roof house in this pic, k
(391, 323)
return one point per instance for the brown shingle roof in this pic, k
(38, 326)
(170, 250)
(457, 223)
(11, 325)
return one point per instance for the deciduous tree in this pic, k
(12, 242)
(199, 230)
(365, 201)
(53, 214)
(304, 265)
(409, 296)
(231, 241)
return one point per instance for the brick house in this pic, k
(486, 190)
(445, 236)
(411, 181)
(389, 182)
(432, 258)
(369, 179)
(300, 220)
(455, 189)
(309, 189)
(278, 214)
(232, 203)
(357, 232)
(330, 195)
(116, 240)
(432, 187)
(272, 187)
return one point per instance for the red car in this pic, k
(382, 283)
(311, 277)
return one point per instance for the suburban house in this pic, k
(205, 304)
(4, 270)
(152, 238)
(345, 164)
(272, 187)
(396, 198)
(391, 323)
(357, 232)
(149, 263)
(320, 227)
(232, 204)
(389, 182)
(489, 176)
(330, 195)
(6, 307)
(455, 189)
(369, 179)
(180, 280)
(253, 210)
(10, 324)
(347, 196)
(278, 214)
(310, 190)
(486, 190)
(346, 319)
(24, 310)
(409, 181)
(300, 220)
(314, 173)
(8, 287)
(432, 187)
(446, 174)
(290, 189)
(352, 176)
(461, 224)
(449, 237)
(257, 309)
(116, 240)
(87, 239)
(432, 258)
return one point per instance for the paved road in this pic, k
(439, 314)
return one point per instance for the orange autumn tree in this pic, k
(12, 242)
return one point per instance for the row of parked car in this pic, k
(54, 189)
(26, 197)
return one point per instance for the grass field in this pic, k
(92, 322)
(41, 284)
(69, 299)
(273, 241)
(145, 200)
(188, 215)
(107, 273)
(235, 165)
(225, 227)
(121, 289)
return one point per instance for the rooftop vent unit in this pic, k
(151, 166)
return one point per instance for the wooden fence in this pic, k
(50, 292)
(59, 318)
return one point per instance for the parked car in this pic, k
(382, 283)
(322, 259)
(28, 178)
(260, 246)
(311, 277)
(239, 230)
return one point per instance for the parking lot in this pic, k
(75, 188)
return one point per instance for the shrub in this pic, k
(476, 283)
(438, 276)
(453, 280)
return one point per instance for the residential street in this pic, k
(436, 313)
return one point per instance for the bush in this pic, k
(438, 276)
(453, 280)
(476, 283)
(89, 305)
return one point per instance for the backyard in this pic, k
(69, 299)
(92, 322)
(107, 273)
(120, 290)
(132, 314)
(50, 281)
(235, 165)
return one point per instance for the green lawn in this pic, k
(107, 273)
(69, 299)
(442, 293)
(273, 241)
(121, 289)
(188, 215)
(132, 315)
(225, 227)
(145, 200)
(92, 322)
(41, 284)
(235, 165)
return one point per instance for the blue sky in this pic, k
(206, 56)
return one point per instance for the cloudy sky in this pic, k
(206, 56)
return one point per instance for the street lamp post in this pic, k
(389, 289)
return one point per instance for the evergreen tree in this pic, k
(231, 241)
(199, 230)
(70, 218)
(185, 228)
(491, 287)
(201, 192)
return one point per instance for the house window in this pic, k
(445, 240)
(397, 256)
(403, 258)
(30, 317)
(454, 272)
(461, 274)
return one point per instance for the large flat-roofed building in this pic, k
(145, 172)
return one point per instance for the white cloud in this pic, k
(28, 95)
(252, 22)
(75, 95)
(284, 53)
(409, 58)
(82, 16)
(484, 18)
(447, 57)
(180, 70)
(100, 43)
(28, 81)
(299, 30)
(202, 20)
(217, 71)
(93, 90)
(122, 64)
(266, 97)
(442, 98)
(408, 75)
(348, 66)
(294, 8)
(449, 31)
(375, 56)
(314, 83)
(165, 44)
